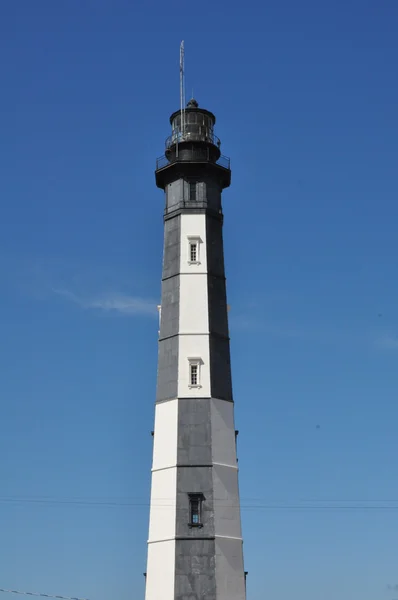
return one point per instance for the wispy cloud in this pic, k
(388, 341)
(111, 302)
(85, 285)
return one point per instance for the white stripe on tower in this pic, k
(162, 524)
(194, 309)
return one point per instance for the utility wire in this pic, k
(132, 500)
(167, 503)
(40, 595)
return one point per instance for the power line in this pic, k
(132, 500)
(167, 503)
(40, 595)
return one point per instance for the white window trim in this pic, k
(198, 362)
(194, 239)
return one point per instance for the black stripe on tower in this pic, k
(167, 379)
(220, 359)
(195, 546)
(195, 570)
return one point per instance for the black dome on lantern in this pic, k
(193, 103)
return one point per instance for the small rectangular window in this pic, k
(194, 372)
(195, 510)
(194, 243)
(193, 252)
(192, 191)
(194, 375)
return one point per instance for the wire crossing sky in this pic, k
(247, 504)
(40, 595)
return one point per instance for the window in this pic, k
(195, 510)
(194, 375)
(194, 250)
(192, 191)
(194, 372)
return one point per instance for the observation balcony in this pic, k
(195, 156)
(194, 145)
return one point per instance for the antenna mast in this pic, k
(182, 87)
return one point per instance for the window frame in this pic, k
(197, 363)
(193, 250)
(193, 374)
(198, 498)
(193, 188)
(194, 241)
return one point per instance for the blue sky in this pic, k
(305, 95)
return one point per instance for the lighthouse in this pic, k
(195, 539)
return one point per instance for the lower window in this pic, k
(195, 510)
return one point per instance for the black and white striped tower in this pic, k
(195, 539)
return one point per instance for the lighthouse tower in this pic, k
(195, 539)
